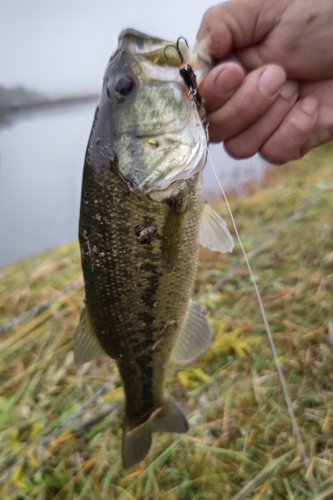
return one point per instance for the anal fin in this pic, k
(213, 231)
(194, 337)
(86, 346)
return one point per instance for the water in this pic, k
(41, 161)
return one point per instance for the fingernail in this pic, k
(227, 81)
(309, 105)
(271, 81)
(289, 89)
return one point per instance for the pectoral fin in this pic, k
(86, 346)
(195, 336)
(213, 231)
(137, 438)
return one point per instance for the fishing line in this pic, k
(40, 306)
(296, 215)
(292, 218)
(271, 341)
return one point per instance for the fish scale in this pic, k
(142, 217)
(129, 278)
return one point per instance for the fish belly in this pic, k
(136, 305)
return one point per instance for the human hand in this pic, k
(279, 127)
(260, 115)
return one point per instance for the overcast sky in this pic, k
(62, 46)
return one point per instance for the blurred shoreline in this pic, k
(17, 100)
(42, 147)
(47, 103)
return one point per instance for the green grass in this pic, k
(241, 443)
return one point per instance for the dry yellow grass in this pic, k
(241, 443)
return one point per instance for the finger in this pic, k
(286, 142)
(219, 85)
(259, 90)
(214, 33)
(323, 130)
(248, 142)
(317, 137)
(250, 57)
(230, 24)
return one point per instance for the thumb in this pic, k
(236, 24)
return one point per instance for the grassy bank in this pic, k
(241, 443)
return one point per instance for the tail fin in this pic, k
(137, 440)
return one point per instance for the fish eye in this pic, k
(125, 85)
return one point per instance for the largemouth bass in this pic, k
(142, 217)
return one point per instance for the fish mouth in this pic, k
(150, 52)
(150, 47)
(168, 149)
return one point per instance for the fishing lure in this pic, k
(187, 73)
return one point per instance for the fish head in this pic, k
(145, 114)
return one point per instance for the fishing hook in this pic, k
(176, 47)
(186, 72)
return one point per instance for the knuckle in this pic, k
(215, 134)
(246, 109)
(278, 154)
(240, 148)
(298, 126)
(285, 145)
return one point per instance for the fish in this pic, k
(142, 218)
